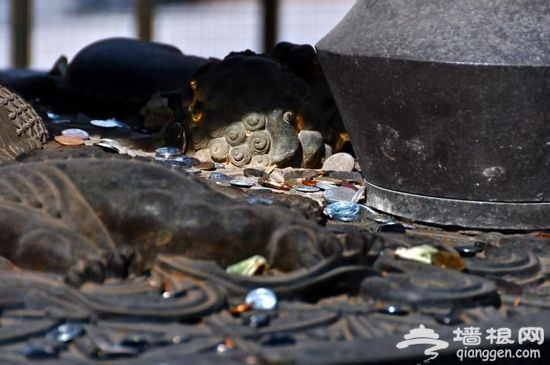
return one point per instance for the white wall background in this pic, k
(203, 27)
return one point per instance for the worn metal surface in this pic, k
(349, 301)
(459, 212)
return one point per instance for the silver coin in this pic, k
(220, 177)
(108, 123)
(339, 194)
(192, 170)
(262, 299)
(66, 332)
(167, 153)
(58, 119)
(177, 161)
(243, 183)
(324, 185)
(306, 189)
(107, 145)
(75, 132)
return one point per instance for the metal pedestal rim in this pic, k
(461, 213)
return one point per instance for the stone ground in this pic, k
(353, 306)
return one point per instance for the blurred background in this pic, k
(34, 33)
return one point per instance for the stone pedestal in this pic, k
(447, 104)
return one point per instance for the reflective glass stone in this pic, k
(258, 320)
(261, 299)
(66, 332)
(343, 211)
(468, 251)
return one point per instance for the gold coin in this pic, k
(68, 141)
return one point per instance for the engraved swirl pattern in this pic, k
(259, 142)
(219, 149)
(240, 156)
(235, 134)
(254, 121)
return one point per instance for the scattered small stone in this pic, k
(422, 253)
(225, 347)
(239, 309)
(275, 185)
(312, 147)
(294, 174)
(252, 172)
(251, 266)
(206, 166)
(309, 182)
(448, 260)
(339, 162)
(277, 175)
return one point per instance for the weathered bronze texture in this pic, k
(447, 107)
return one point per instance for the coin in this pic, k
(108, 145)
(75, 132)
(68, 141)
(243, 183)
(306, 189)
(108, 123)
(167, 152)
